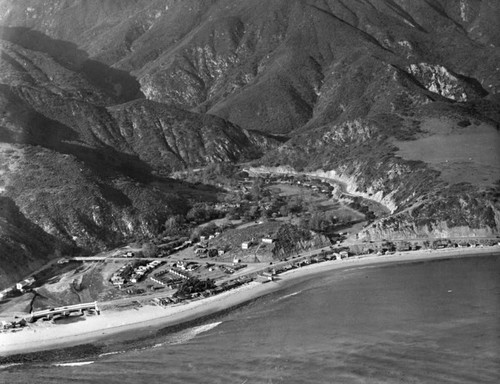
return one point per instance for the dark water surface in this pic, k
(425, 322)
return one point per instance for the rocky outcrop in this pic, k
(444, 82)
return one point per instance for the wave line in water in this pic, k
(111, 353)
(73, 364)
(191, 333)
(289, 295)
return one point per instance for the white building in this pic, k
(25, 283)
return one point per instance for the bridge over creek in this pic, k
(63, 311)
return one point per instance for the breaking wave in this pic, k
(74, 364)
(190, 334)
(289, 295)
(111, 353)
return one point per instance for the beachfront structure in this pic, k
(65, 311)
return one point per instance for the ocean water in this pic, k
(424, 322)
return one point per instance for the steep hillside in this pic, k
(79, 165)
(23, 245)
(63, 98)
(397, 98)
(264, 65)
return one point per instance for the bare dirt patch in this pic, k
(462, 154)
(322, 202)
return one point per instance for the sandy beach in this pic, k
(45, 336)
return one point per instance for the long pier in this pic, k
(64, 311)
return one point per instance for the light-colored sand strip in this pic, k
(110, 322)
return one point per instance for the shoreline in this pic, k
(116, 323)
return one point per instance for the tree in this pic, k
(284, 210)
(225, 224)
(174, 225)
(295, 205)
(201, 213)
(149, 249)
(256, 189)
(193, 285)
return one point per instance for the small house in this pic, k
(267, 240)
(25, 283)
(245, 245)
(181, 264)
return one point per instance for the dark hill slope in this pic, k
(77, 107)
(263, 65)
(80, 167)
(23, 245)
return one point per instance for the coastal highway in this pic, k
(250, 270)
(256, 270)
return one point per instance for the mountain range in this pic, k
(101, 100)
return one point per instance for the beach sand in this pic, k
(92, 328)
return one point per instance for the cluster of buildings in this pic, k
(269, 275)
(315, 184)
(265, 240)
(6, 325)
(164, 277)
(118, 278)
(187, 266)
(141, 270)
(202, 251)
(129, 273)
(230, 270)
(209, 237)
